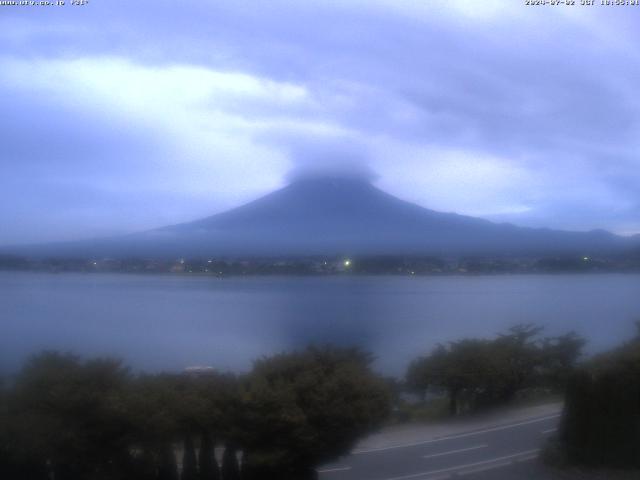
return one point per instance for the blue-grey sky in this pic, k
(121, 116)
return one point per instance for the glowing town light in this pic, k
(347, 263)
(586, 259)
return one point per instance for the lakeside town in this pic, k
(336, 265)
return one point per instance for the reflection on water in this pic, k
(168, 322)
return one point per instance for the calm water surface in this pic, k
(169, 322)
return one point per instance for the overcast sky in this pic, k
(120, 116)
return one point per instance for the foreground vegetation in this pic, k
(601, 423)
(82, 420)
(600, 426)
(66, 418)
(479, 373)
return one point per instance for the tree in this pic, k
(516, 356)
(602, 406)
(167, 468)
(189, 460)
(306, 408)
(559, 357)
(478, 373)
(167, 408)
(208, 465)
(430, 372)
(153, 408)
(71, 416)
(230, 467)
(463, 370)
(91, 420)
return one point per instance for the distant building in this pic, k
(199, 370)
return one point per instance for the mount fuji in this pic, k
(335, 215)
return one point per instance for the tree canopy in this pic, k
(309, 407)
(95, 420)
(600, 424)
(476, 373)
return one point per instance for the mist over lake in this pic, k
(170, 322)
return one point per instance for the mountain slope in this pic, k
(341, 216)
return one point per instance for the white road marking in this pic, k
(494, 466)
(550, 430)
(526, 458)
(498, 461)
(337, 469)
(451, 452)
(453, 437)
(483, 468)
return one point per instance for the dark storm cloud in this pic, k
(501, 111)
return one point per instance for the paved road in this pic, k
(503, 451)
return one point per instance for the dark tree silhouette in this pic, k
(69, 414)
(168, 470)
(600, 424)
(306, 408)
(189, 461)
(477, 373)
(70, 419)
(209, 469)
(230, 467)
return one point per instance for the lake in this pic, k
(170, 322)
